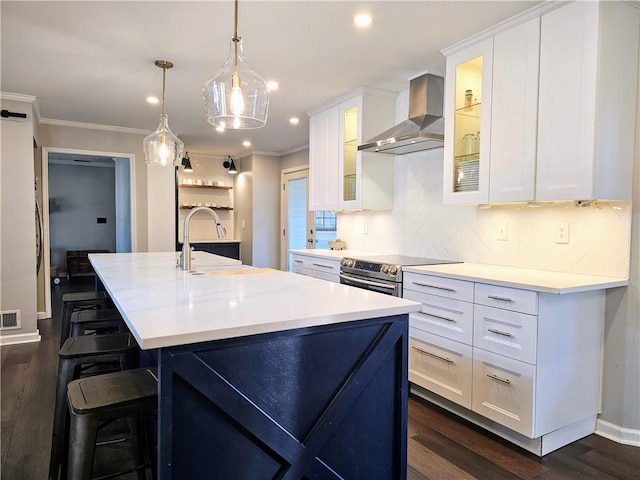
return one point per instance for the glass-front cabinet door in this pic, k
(350, 161)
(467, 124)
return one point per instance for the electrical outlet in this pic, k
(365, 228)
(562, 233)
(501, 231)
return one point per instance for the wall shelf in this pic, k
(219, 187)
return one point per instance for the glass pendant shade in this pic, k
(236, 97)
(162, 147)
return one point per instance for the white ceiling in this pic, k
(93, 62)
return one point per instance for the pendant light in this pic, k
(162, 147)
(236, 97)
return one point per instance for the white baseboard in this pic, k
(20, 338)
(616, 433)
(42, 315)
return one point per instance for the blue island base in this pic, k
(326, 402)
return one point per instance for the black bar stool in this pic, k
(98, 321)
(96, 350)
(107, 397)
(75, 301)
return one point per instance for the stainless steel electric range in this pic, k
(381, 273)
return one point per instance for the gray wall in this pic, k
(78, 194)
(55, 136)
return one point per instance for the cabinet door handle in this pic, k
(323, 266)
(503, 299)
(447, 289)
(452, 320)
(444, 359)
(506, 381)
(500, 332)
(298, 261)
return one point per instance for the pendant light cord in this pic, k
(236, 39)
(164, 73)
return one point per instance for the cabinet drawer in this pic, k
(440, 286)
(524, 301)
(503, 390)
(299, 267)
(505, 332)
(446, 317)
(441, 366)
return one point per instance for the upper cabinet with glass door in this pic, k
(341, 177)
(467, 124)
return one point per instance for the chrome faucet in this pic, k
(185, 256)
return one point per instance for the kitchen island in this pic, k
(266, 374)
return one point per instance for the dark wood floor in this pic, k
(441, 445)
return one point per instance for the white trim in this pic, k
(511, 22)
(20, 338)
(18, 97)
(294, 150)
(285, 171)
(46, 246)
(93, 126)
(265, 153)
(618, 434)
(42, 315)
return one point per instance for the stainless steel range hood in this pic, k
(424, 130)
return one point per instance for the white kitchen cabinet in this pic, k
(468, 116)
(559, 123)
(500, 123)
(514, 113)
(323, 162)
(313, 266)
(535, 357)
(341, 177)
(587, 112)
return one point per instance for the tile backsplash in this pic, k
(420, 225)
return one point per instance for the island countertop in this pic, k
(165, 306)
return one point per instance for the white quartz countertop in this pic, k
(215, 240)
(334, 254)
(220, 298)
(530, 279)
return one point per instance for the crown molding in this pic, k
(93, 126)
(18, 97)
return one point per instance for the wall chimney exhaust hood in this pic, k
(424, 130)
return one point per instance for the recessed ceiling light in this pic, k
(246, 143)
(362, 20)
(294, 120)
(153, 100)
(272, 85)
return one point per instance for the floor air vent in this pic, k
(10, 319)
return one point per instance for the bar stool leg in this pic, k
(82, 445)
(66, 370)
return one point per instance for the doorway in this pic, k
(301, 228)
(87, 205)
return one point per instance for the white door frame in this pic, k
(46, 243)
(284, 214)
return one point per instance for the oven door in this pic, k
(380, 286)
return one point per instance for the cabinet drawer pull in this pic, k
(506, 381)
(503, 299)
(323, 266)
(444, 359)
(452, 320)
(499, 332)
(298, 261)
(447, 289)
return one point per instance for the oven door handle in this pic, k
(367, 282)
